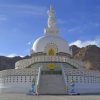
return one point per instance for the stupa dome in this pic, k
(41, 43)
(51, 40)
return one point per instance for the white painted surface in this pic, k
(41, 43)
(52, 84)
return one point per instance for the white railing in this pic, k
(27, 62)
(38, 81)
(64, 77)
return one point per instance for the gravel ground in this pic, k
(50, 97)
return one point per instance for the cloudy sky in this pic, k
(23, 21)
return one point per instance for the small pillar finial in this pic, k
(51, 28)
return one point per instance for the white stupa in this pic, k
(51, 38)
(50, 69)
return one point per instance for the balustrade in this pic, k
(35, 59)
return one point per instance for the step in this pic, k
(52, 84)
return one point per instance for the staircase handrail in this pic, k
(63, 73)
(38, 80)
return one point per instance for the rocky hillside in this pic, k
(9, 63)
(90, 55)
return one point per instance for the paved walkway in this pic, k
(25, 97)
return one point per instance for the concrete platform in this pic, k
(48, 97)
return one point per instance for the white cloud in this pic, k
(75, 29)
(13, 55)
(24, 9)
(3, 18)
(72, 30)
(97, 24)
(29, 43)
(80, 43)
(60, 21)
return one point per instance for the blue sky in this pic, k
(23, 21)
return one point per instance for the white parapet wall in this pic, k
(84, 81)
(35, 59)
(17, 80)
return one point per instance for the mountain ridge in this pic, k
(90, 55)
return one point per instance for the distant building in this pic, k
(50, 69)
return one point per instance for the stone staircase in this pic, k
(52, 84)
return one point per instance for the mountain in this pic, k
(90, 55)
(9, 63)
